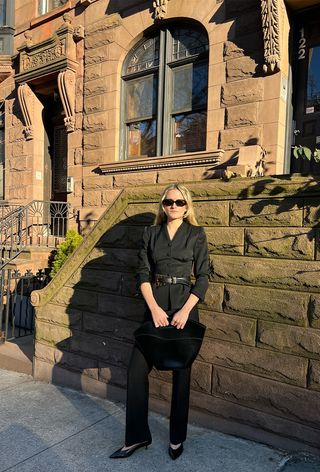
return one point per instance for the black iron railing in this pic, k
(16, 311)
(40, 223)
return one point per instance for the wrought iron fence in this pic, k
(40, 223)
(16, 311)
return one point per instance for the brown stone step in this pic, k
(17, 355)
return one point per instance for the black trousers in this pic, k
(137, 427)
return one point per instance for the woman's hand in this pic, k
(180, 318)
(159, 316)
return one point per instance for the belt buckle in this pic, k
(173, 280)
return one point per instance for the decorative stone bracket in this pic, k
(67, 91)
(25, 97)
(160, 9)
(270, 10)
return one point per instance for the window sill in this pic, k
(202, 158)
(50, 15)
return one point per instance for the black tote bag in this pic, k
(169, 348)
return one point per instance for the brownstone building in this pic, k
(106, 101)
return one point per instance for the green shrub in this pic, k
(72, 241)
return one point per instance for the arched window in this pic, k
(165, 79)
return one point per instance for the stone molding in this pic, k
(167, 162)
(25, 97)
(160, 9)
(54, 54)
(67, 91)
(270, 11)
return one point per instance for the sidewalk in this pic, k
(45, 428)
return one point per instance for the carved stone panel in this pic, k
(270, 10)
(160, 9)
(66, 86)
(25, 96)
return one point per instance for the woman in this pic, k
(169, 250)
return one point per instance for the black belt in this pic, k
(160, 279)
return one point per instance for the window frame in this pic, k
(164, 71)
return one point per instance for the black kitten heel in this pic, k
(175, 453)
(119, 454)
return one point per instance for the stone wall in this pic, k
(258, 372)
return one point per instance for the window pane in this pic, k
(313, 94)
(142, 98)
(44, 6)
(145, 57)
(188, 43)
(189, 132)
(142, 139)
(190, 87)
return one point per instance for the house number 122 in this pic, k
(302, 45)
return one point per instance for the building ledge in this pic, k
(166, 162)
(5, 67)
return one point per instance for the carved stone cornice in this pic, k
(270, 10)
(167, 162)
(160, 9)
(67, 91)
(54, 54)
(25, 97)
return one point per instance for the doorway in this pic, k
(306, 88)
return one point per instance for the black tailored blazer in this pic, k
(185, 254)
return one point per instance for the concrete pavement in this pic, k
(45, 428)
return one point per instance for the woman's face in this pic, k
(173, 211)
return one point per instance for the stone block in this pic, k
(112, 259)
(275, 273)
(142, 178)
(95, 156)
(76, 363)
(95, 122)
(44, 352)
(265, 212)
(260, 362)
(201, 377)
(267, 304)
(53, 335)
(96, 279)
(241, 68)
(75, 298)
(121, 307)
(93, 182)
(298, 341)
(280, 242)
(92, 198)
(102, 348)
(121, 237)
(311, 213)
(246, 91)
(97, 55)
(242, 115)
(241, 136)
(214, 298)
(109, 196)
(92, 72)
(229, 328)
(112, 374)
(116, 328)
(314, 378)
(212, 213)
(62, 315)
(233, 7)
(269, 396)
(97, 140)
(314, 311)
(187, 174)
(243, 45)
(142, 214)
(225, 240)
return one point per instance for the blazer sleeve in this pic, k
(144, 267)
(201, 266)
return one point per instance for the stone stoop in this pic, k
(17, 355)
(33, 258)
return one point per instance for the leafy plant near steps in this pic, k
(306, 153)
(65, 249)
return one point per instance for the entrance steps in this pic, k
(33, 258)
(17, 355)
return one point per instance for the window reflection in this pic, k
(142, 139)
(313, 89)
(2, 12)
(190, 132)
(44, 6)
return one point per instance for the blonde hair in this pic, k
(189, 216)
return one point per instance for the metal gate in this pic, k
(16, 311)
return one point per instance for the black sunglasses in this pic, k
(168, 202)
